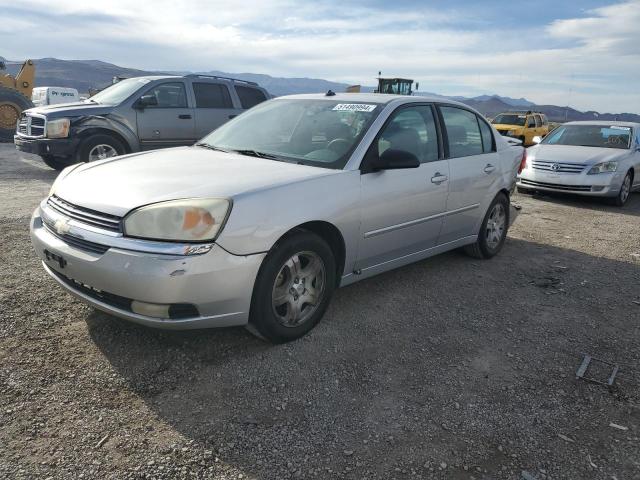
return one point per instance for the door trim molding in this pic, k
(392, 228)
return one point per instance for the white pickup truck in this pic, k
(54, 95)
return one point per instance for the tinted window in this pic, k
(169, 95)
(544, 120)
(249, 96)
(487, 136)
(212, 95)
(538, 121)
(463, 132)
(531, 122)
(413, 130)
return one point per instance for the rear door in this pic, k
(214, 106)
(170, 123)
(402, 209)
(473, 170)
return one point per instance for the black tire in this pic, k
(56, 163)
(263, 316)
(622, 197)
(482, 248)
(14, 104)
(523, 138)
(525, 191)
(93, 141)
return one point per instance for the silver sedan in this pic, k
(598, 159)
(259, 222)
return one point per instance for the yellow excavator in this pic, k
(15, 96)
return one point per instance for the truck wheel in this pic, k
(99, 147)
(12, 104)
(56, 163)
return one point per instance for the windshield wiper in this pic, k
(210, 147)
(254, 153)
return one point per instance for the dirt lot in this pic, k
(449, 368)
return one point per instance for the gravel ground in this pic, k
(448, 368)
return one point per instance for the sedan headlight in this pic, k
(58, 128)
(604, 167)
(188, 220)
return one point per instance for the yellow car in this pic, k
(522, 125)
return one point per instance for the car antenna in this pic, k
(330, 93)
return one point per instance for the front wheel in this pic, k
(625, 191)
(99, 147)
(493, 231)
(293, 288)
(55, 162)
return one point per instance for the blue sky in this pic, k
(584, 53)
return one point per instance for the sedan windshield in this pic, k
(321, 133)
(119, 92)
(613, 136)
(510, 119)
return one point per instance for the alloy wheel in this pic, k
(496, 224)
(102, 151)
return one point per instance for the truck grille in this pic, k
(558, 167)
(87, 216)
(557, 186)
(32, 126)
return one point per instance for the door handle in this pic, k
(489, 168)
(232, 116)
(438, 178)
(184, 116)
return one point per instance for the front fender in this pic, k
(83, 125)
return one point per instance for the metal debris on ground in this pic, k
(619, 427)
(584, 366)
(566, 439)
(527, 476)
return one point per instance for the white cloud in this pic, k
(591, 61)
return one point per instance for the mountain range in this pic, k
(88, 74)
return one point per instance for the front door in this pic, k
(170, 123)
(474, 169)
(402, 209)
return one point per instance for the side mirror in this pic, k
(146, 101)
(536, 139)
(392, 159)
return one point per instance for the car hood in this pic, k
(121, 184)
(576, 154)
(71, 109)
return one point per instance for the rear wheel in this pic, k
(493, 231)
(625, 190)
(294, 288)
(99, 147)
(12, 104)
(56, 163)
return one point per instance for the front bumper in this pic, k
(58, 147)
(599, 185)
(218, 284)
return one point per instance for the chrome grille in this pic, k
(558, 167)
(556, 186)
(32, 126)
(77, 242)
(85, 215)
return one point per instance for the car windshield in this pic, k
(119, 92)
(510, 119)
(320, 133)
(606, 136)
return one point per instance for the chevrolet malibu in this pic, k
(259, 222)
(598, 159)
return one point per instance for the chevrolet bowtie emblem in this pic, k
(62, 226)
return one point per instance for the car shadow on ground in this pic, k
(450, 360)
(632, 206)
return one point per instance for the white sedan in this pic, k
(599, 159)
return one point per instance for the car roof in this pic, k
(380, 98)
(605, 123)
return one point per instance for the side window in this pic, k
(413, 130)
(212, 95)
(249, 97)
(545, 122)
(538, 121)
(487, 137)
(169, 95)
(531, 122)
(463, 132)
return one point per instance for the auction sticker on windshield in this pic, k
(354, 107)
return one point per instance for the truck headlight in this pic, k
(58, 128)
(511, 133)
(604, 167)
(188, 220)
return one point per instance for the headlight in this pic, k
(63, 174)
(189, 220)
(604, 167)
(58, 128)
(511, 133)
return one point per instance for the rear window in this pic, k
(212, 95)
(249, 97)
